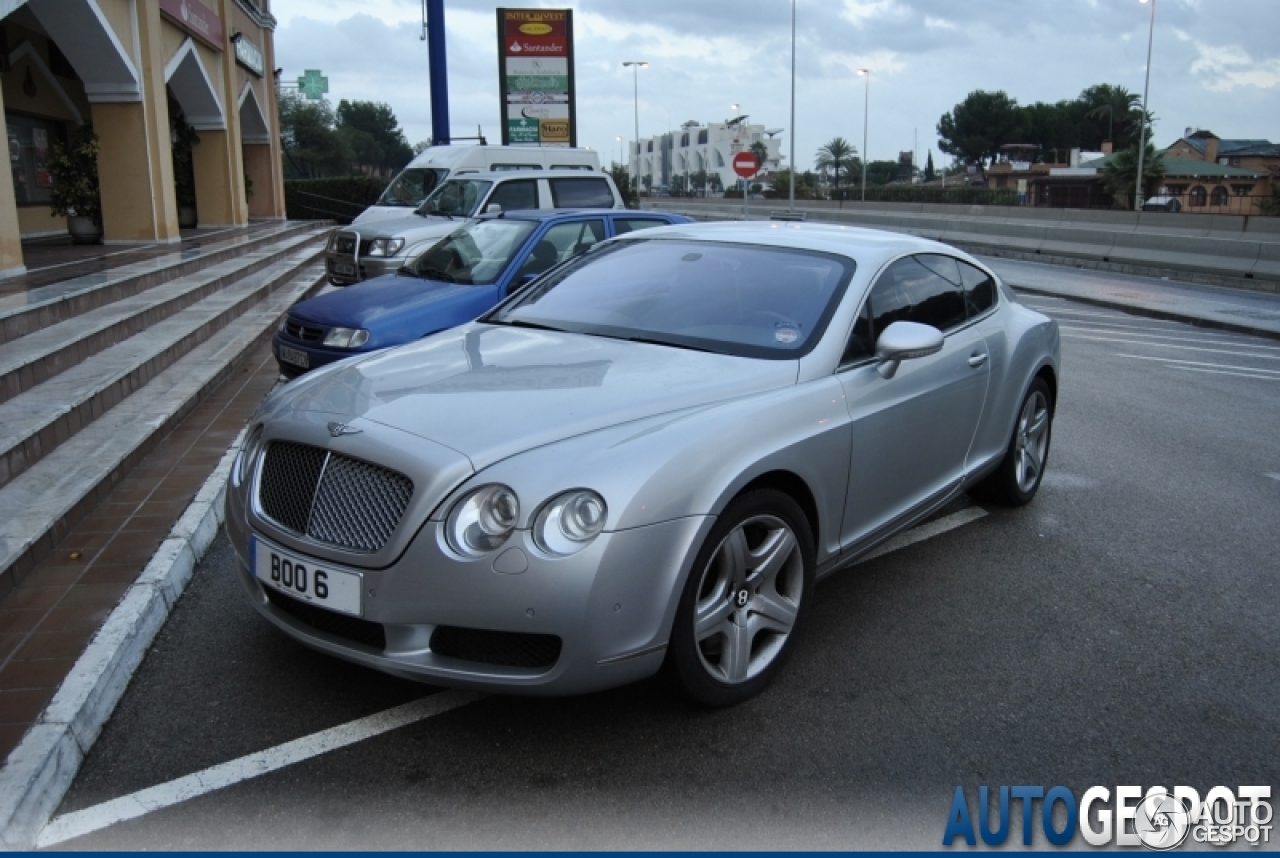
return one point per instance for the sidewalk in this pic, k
(52, 624)
(1238, 310)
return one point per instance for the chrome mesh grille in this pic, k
(332, 498)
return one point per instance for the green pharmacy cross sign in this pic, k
(313, 85)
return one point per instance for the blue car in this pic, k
(454, 281)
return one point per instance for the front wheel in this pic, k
(1017, 479)
(744, 599)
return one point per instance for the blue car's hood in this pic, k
(374, 302)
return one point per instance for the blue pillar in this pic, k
(438, 69)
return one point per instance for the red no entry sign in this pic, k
(745, 164)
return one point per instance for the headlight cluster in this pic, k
(485, 517)
(346, 338)
(385, 246)
(244, 461)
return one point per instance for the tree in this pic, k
(761, 152)
(929, 174)
(782, 185)
(881, 172)
(626, 185)
(1121, 109)
(976, 128)
(1121, 172)
(371, 131)
(309, 141)
(421, 146)
(836, 156)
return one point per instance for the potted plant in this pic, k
(74, 169)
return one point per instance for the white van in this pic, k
(437, 163)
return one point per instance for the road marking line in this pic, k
(1226, 372)
(920, 533)
(1170, 346)
(1131, 331)
(1266, 373)
(1274, 476)
(82, 822)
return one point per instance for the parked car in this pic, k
(474, 267)
(1162, 204)
(362, 252)
(645, 458)
(436, 163)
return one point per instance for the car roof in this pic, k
(862, 244)
(551, 214)
(510, 175)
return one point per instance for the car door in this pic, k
(910, 433)
(555, 244)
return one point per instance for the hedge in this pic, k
(339, 199)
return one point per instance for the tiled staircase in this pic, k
(96, 369)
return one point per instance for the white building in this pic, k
(696, 147)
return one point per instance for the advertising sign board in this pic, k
(535, 77)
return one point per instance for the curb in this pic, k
(39, 771)
(1151, 312)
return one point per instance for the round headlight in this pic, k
(482, 521)
(569, 522)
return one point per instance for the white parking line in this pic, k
(140, 803)
(1227, 372)
(1133, 331)
(1262, 373)
(81, 822)
(1169, 346)
(1274, 476)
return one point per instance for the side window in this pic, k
(911, 291)
(624, 225)
(861, 343)
(979, 289)
(515, 195)
(586, 167)
(561, 242)
(581, 194)
(502, 168)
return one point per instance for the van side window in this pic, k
(581, 194)
(512, 196)
(586, 167)
(503, 168)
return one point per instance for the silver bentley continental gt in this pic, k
(642, 461)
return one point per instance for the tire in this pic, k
(1017, 479)
(744, 601)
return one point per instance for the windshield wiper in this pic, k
(435, 212)
(521, 323)
(437, 274)
(656, 342)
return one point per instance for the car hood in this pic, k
(366, 304)
(411, 227)
(490, 392)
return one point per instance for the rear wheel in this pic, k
(745, 596)
(1017, 479)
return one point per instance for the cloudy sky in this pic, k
(1216, 63)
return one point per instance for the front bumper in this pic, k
(611, 606)
(316, 357)
(344, 270)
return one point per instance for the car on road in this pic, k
(467, 272)
(367, 250)
(642, 461)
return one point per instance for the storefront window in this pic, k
(30, 147)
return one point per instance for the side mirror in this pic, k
(493, 208)
(905, 341)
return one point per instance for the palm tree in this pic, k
(1112, 100)
(1121, 172)
(835, 156)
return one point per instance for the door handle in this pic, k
(976, 360)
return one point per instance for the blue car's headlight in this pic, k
(568, 522)
(385, 246)
(482, 520)
(346, 338)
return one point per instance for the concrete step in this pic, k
(33, 424)
(27, 312)
(39, 356)
(41, 504)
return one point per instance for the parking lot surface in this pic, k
(1122, 629)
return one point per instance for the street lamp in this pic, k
(619, 139)
(866, 103)
(792, 201)
(635, 66)
(1142, 135)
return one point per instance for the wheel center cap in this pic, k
(741, 597)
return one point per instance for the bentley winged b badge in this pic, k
(336, 429)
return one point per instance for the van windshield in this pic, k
(411, 187)
(456, 197)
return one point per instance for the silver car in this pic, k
(645, 459)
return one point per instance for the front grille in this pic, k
(346, 245)
(332, 498)
(303, 332)
(505, 649)
(348, 628)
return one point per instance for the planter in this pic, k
(187, 217)
(84, 230)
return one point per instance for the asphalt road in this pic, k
(1122, 629)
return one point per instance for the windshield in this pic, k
(747, 300)
(476, 254)
(412, 186)
(456, 197)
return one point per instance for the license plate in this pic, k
(343, 268)
(297, 357)
(305, 579)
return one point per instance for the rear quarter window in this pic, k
(582, 193)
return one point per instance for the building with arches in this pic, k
(129, 69)
(695, 148)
